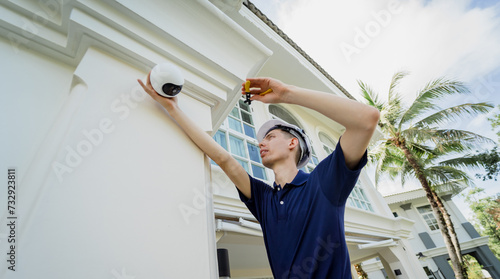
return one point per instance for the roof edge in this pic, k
(287, 39)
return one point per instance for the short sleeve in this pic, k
(258, 191)
(336, 180)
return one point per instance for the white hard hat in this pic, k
(304, 142)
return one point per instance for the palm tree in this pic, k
(415, 145)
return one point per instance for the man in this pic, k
(302, 216)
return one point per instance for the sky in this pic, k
(371, 40)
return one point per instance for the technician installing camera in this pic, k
(302, 215)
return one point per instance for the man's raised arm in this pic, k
(360, 120)
(207, 144)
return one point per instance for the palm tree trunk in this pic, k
(456, 261)
(451, 229)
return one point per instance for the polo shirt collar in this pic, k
(299, 180)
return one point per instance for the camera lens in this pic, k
(171, 89)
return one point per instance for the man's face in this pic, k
(275, 148)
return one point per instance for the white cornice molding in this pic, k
(413, 194)
(464, 245)
(212, 64)
(372, 223)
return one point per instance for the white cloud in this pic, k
(428, 38)
(440, 38)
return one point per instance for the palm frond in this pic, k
(387, 158)
(464, 162)
(396, 79)
(414, 134)
(444, 174)
(454, 113)
(370, 96)
(444, 135)
(420, 150)
(426, 98)
(455, 186)
(407, 173)
(394, 107)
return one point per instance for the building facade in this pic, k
(108, 186)
(428, 241)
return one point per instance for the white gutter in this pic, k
(231, 227)
(249, 224)
(376, 244)
(227, 20)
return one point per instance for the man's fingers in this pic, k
(146, 88)
(148, 80)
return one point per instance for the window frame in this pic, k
(430, 213)
(353, 198)
(229, 132)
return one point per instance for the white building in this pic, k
(107, 185)
(428, 241)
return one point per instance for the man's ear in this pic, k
(293, 143)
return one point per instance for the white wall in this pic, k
(108, 185)
(124, 201)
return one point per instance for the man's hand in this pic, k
(360, 120)
(168, 103)
(259, 85)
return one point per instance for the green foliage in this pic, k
(491, 162)
(486, 219)
(495, 121)
(440, 153)
(474, 269)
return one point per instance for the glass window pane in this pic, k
(247, 118)
(370, 207)
(249, 131)
(424, 209)
(354, 193)
(310, 169)
(358, 204)
(351, 202)
(364, 205)
(235, 112)
(315, 160)
(327, 149)
(362, 194)
(244, 164)
(244, 106)
(220, 138)
(259, 172)
(237, 146)
(253, 151)
(234, 124)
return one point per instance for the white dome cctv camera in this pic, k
(166, 79)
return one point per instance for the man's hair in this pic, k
(299, 149)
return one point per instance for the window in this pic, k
(281, 113)
(358, 198)
(237, 135)
(428, 215)
(328, 144)
(429, 273)
(313, 162)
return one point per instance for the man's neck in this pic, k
(284, 174)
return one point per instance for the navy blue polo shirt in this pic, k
(303, 222)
